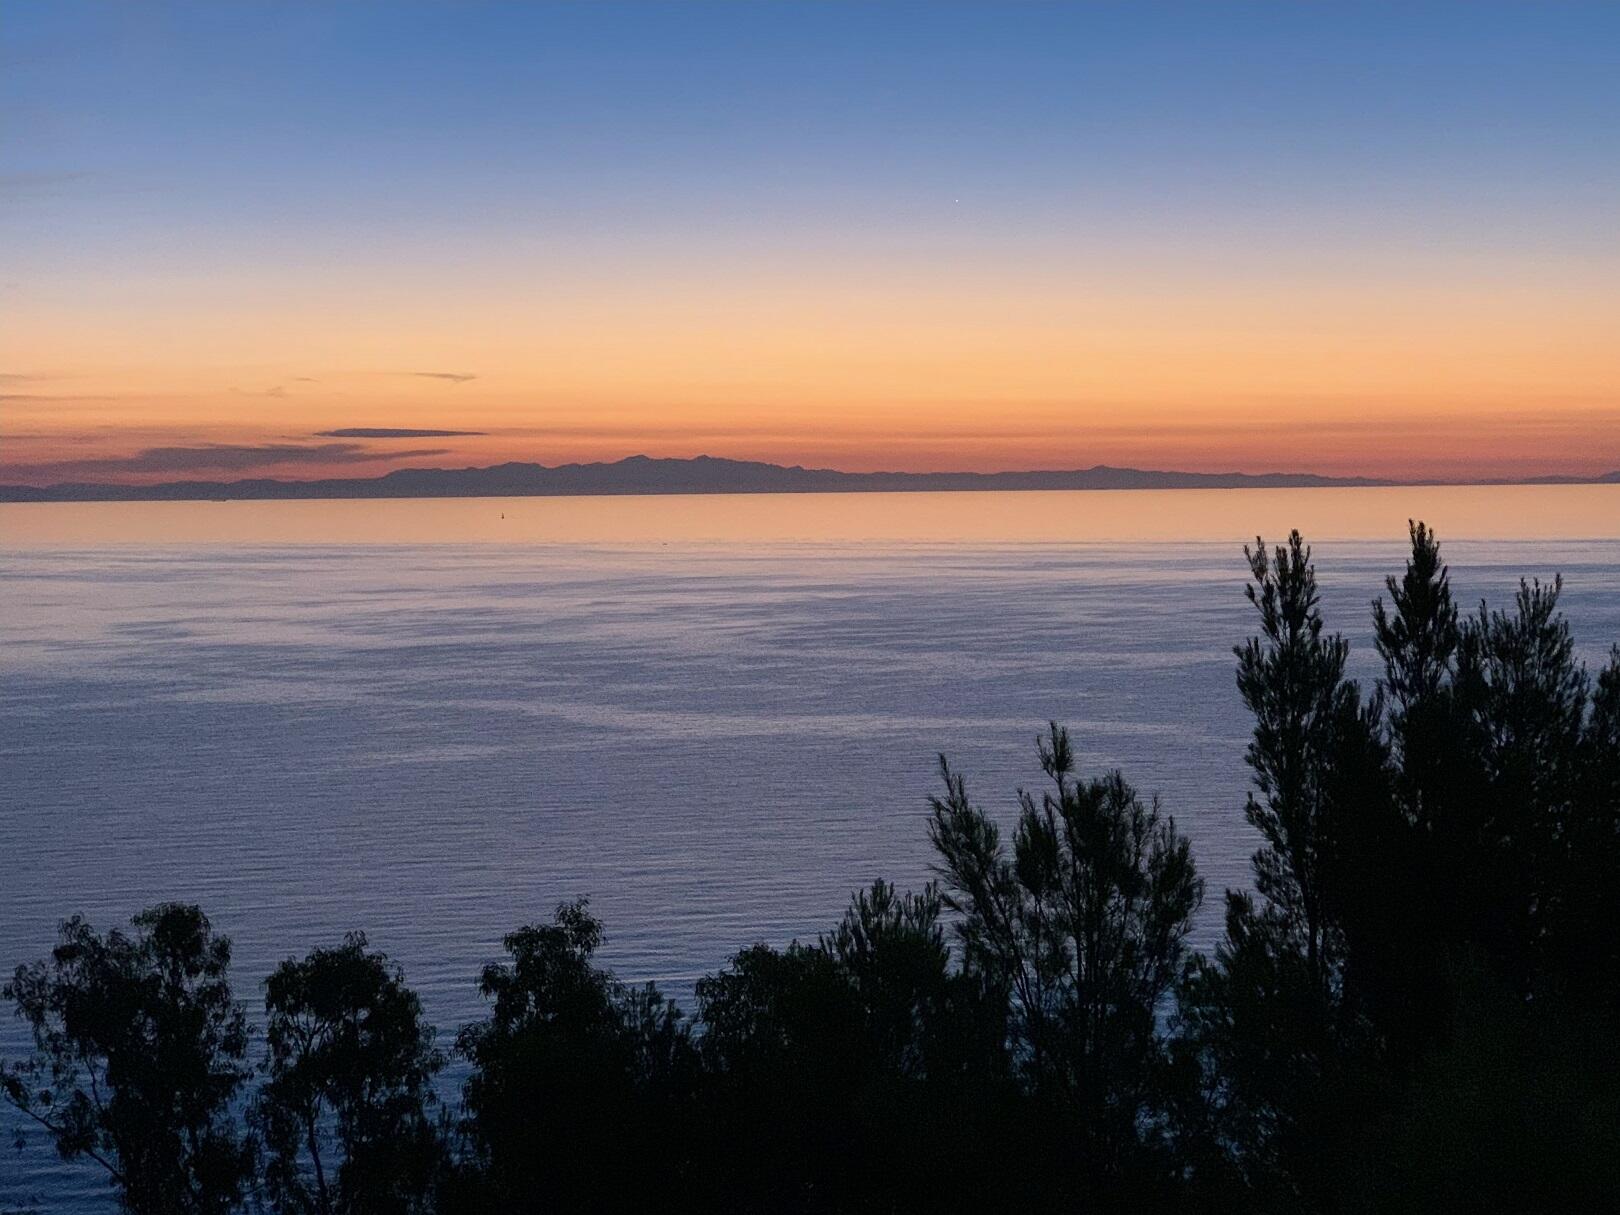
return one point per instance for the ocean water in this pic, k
(716, 718)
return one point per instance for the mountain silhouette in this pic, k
(699, 475)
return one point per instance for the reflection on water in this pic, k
(1483, 512)
(717, 741)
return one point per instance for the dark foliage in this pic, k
(1079, 929)
(574, 1101)
(140, 1054)
(1268, 1027)
(345, 1107)
(858, 1073)
(1422, 989)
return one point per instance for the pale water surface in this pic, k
(715, 716)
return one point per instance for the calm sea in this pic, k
(714, 716)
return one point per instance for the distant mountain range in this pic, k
(701, 475)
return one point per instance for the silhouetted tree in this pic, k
(1495, 955)
(1440, 881)
(1291, 678)
(786, 1060)
(139, 1058)
(345, 1107)
(856, 1074)
(576, 1078)
(1527, 696)
(1586, 944)
(1410, 867)
(922, 1020)
(1418, 634)
(1277, 1042)
(1082, 926)
(1504, 774)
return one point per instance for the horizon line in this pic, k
(518, 478)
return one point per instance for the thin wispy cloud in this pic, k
(454, 377)
(392, 432)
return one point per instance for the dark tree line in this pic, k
(1414, 1008)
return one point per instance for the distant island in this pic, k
(699, 475)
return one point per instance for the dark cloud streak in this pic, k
(218, 457)
(392, 432)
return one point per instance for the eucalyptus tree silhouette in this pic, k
(140, 1054)
(345, 1109)
(574, 1075)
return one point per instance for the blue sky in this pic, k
(185, 156)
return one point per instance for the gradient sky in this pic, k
(1343, 238)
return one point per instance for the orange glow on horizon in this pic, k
(973, 368)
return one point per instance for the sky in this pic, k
(1340, 238)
